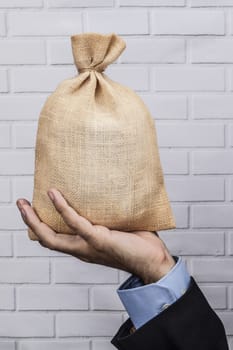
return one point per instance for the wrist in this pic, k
(158, 268)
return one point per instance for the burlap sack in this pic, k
(96, 143)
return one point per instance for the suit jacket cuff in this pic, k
(143, 302)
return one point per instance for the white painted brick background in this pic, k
(179, 58)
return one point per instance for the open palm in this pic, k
(140, 252)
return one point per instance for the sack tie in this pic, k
(86, 69)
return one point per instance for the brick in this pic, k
(213, 216)
(46, 23)
(54, 345)
(195, 243)
(153, 50)
(231, 189)
(216, 296)
(231, 134)
(125, 316)
(231, 298)
(21, 3)
(123, 276)
(17, 163)
(87, 324)
(188, 22)
(152, 3)
(5, 137)
(2, 24)
(40, 79)
(212, 106)
(212, 162)
(52, 298)
(231, 74)
(5, 245)
(7, 298)
(118, 21)
(209, 3)
(195, 189)
(60, 52)
(190, 135)
(7, 213)
(24, 271)
(213, 269)
(105, 298)
(7, 345)
(181, 215)
(166, 107)
(230, 243)
(26, 324)
(227, 319)
(24, 247)
(231, 14)
(22, 52)
(212, 50)
(5, 190)
(24, 135)
(22, 187)
(174, 162)
(230, 342)
(188, 79)
(77, 271)
(3, 80)
(136, 78)
(102, 345)
(21, 107)
(80, 3)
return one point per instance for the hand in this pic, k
(142, 253)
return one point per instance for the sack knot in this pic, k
(86, 69)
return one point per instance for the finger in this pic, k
(37, 226)
(73, 245)
(21, 201)
(49, 238)
(75, 221)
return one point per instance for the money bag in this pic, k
(96, 143)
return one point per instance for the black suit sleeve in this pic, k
(188, 324)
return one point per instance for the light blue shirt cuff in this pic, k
(144, 302)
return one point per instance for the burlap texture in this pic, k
(96, 143)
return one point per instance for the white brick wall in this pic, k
(3, 81)
(44, 23)
(188, 22)
(188, 78)
(52, 298)
(17, 107)
(178, 58)
(22, 52)
(118, 21)
(87, 324)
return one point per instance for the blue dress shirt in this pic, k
(144, 302)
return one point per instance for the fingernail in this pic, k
(19, 202)
(51, 195)
(23, 212)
